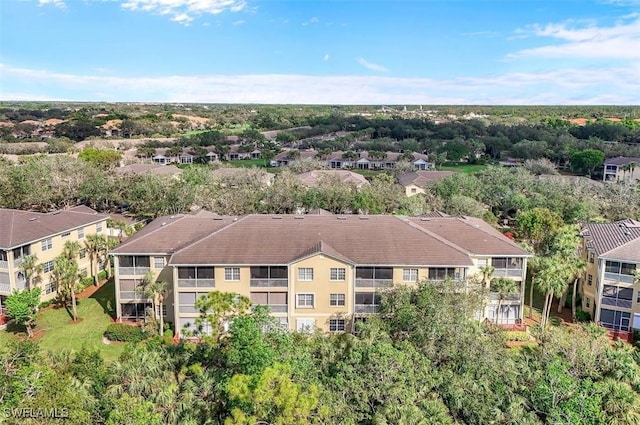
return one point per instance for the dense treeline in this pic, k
(424, 360)
(47, 183)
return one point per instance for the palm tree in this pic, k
(71, 250)
(67, 274)
(107, 245)
(94, 244)
(553, 278)
(32, 270)
(486, 274)
(503, 287)
(155, 289)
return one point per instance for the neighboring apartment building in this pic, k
(612, 252)
(312, 271)
(25, 233)
(621, 169)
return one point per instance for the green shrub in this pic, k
(582, 316)
(126, 333)
(45, 304)
(102, 275)
(516, 336)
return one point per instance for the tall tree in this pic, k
(67, 275)
(94, 245)
(32, 271)
(503, 287)
(156, 290)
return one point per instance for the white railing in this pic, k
(133, 271)
(4, 264)
(276, 308)
(617, 302)
(5, 287)
(615, 277)
(196, 283)
(373, 283)
(269, 283)
(507, 273)
(132, 295)
(188, 308)
(18, 261)
(367, 308)
(494, 296)
(21, 285)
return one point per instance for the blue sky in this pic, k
(326, 51)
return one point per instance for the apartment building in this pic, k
(612, 253)
(621, 169)
(24, 233)
(319, 271)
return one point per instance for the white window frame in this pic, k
(47, 267)
(338, 272)
(305, 274)
(337, 300)
(589, 279)
(82, 253)
(99, 228)
(81, 233)
(232, 274)
(46, 244)
(50, 287)
(407, 275)
(66, 235)
(155, 262)
(482, 262)
(304, 304)
(305, 325)
(337, 322)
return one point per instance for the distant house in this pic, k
(366, 161)
(161, 159)
(143, 169)
(621, 169)
(415, 182)
(285, 157)
(315, 177)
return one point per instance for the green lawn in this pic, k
(248, 163)
(463, 168)
(58, 333)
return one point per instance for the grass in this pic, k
(463, 168)
(55, 332)
(248, 163)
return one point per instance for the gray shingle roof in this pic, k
(19, 227)
(620, 240)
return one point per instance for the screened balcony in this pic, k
(374, 277)
(133, 265)
(269, 277)
(276, 301)
(367, 302)
(507, 267)
(618, 272)
(196, 277)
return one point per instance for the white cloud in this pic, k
(326, 57)
(236, 23)
(313, 20)
(184, 11)
(567, 86)
(371, 66)
(620, 41)
(57, 3)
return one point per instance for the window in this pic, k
(442, 273)
(48, 267)
(587, 302)
(409, 275)
(46, 244)
(616, 320)
(164, 310)
(158, 262)
(98, 227)
(414, 190)
(589, 280)
(80, 233)
(305, 273)
(304, 300)
(83, 272)
(482, 262)
(337, 300)
(82, 253)
(592, 257)
(51, 287)
(23, 251)
(232, 273)
(337, 273)
(506, 263)
(66, 234)
(337, 325)
(3, 256)
(305, 325)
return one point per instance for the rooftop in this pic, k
(421, 178)
(619, 240)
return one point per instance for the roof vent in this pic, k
(298, 217)
(163, 223)
(173, 216)
(341, 217)
(218, 218)
(628, 233)
(276, 217)
(363, 217)
(55, 213)
(33, 218)
(424, 219)
(235, 218)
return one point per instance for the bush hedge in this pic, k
(125, 333)
(582, 316)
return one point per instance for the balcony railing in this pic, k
(4, 264)
(269, 283)
(617, 302)
(618, 278)
(133, 271)
(132, 295)
(21, 285)
(18, 261)
(276, 308)
(5, 287)
(494, 296)
(373, 283)
(507, 273)
(196, 283)
(367, 308)
(188, 308)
